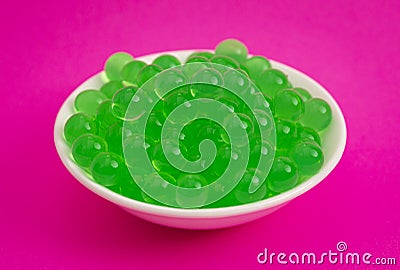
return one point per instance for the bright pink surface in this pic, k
(49, 221)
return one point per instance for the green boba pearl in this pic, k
(147, 72)
(263, 101)
(166, 61)
(78, 125)
(105, 168)
(288, 105)
(174, 99)
(115, 63)
(130, 71)
(283, 175)
(317, 114)
(197, 63)
(204, 83)
(224, 61)
(232, 48)
(155, 185)
(207, 55)
(198, 59)
(285, 135)
(241, 191)
(105, 116)
(246, 123)
(258, 148)
(195, 132)
(304, 94)
(306, 133)
(109, 88)
(271, 81)
(169, 79)
(256, 65)
(190, 181)
(88, 101)
(86, 147)
(222, 158)
(308, 156)
(127, 186)
(122, 99)
(235, 80)
(154, 126)
(113, 138)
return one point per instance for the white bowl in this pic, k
(334, 141)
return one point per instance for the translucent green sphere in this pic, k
(130, 71)
(106, 167)
(271, 81)
(86, 147)
(109, 88)
(78, 125)
(115, 64)
(166, 61)
(232, 48)
(256, 65)
(317, 114)
(308, 156)
(288, 105)
(283, 175)
(88, 101)
(121, 101)
(146, 73)
(204, 54)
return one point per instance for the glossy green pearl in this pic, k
(317, 115)
(113, 138)
(157, 186)
(256, 65)
(232, 48)
(224, 61)
(258, 148)
(88, 101)
(285, 135)
(306, 133)
(241, 191)
(105, 116)
(246, 124)
(154, 126)
(198, 59)
(271, 81)
(235, 80)
(283, 175)
(106, 167)
(115, 64)
(190, 181)
(304, 94)
(288, 105)
(308, 156)
(147, 72)
(78, 125)
(174, 99)
(86, 147)
(130, 71)
(169, 80)
(121, 100)
(109, 88)
(196, 63)
(204, 54)
(166, 61)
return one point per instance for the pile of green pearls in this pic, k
(95, 131)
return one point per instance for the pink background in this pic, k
(49, 221)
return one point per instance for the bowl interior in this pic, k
(333, 140)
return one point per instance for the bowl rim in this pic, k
(221, 212)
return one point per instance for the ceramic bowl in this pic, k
(333, 142)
